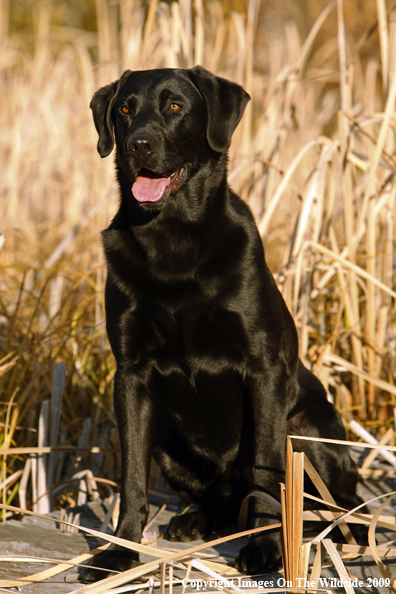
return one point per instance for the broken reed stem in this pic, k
(292, 514)
(384, 43)
(163, 577)
(48, 449)
(371, 311)
(284, 532)
(297, 518)
(321, 542)
(351, 301)
(9, 430)
(289, 511)
(342, 61)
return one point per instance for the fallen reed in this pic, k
(313, 157)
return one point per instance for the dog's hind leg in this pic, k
(314, 416)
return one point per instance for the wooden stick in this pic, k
(23, 484)
(43, 500)
(58, 381)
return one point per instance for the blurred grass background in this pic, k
(313, 156)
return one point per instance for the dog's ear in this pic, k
(225, 103)
(102, 104)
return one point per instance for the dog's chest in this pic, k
(196, 360)
(190, 340)
(207, 410)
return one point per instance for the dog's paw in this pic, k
(186, 527)
(113, 559)
(259, 556)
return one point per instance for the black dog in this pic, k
(208, 378)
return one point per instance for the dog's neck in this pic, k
(168, 237)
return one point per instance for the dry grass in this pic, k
(301, 571)
(313, 157)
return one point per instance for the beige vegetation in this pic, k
(313, 156)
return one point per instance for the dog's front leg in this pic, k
(263, 552)
(135, 413)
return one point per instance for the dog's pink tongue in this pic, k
(149, 189)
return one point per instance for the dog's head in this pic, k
(166, 123)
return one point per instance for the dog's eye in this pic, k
(125, 109)
(174, 107)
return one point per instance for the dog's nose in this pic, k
(141, 145)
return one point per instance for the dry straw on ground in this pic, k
(313, 156)
(300, 575)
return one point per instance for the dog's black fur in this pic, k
(208, 378)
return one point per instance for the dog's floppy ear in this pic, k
(102, 104)
(225, 103)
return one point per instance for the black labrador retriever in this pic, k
(208, 377)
